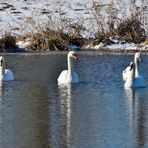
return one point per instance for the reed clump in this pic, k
(131, 30)
(44, 40)
(48, 36)
(7, 41)
(128, 29)
(58, 33)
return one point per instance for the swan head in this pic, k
(72, 54)
(131, 65)
(137, 57)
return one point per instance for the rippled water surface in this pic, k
(36, 112)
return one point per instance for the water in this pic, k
(36, 112)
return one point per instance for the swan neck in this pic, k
(70, 65)
(2, 68)
(132, 75)
(130, 81)
(136, 68)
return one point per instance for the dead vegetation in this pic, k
(58, 33)
(50, 35)
(7, 42)
(130, 29)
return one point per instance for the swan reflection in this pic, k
(65, 96)
(1, 91)
(131, 101)
(1, 116)
(137, 115)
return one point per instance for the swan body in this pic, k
(138, 71)
(5, 74)
(133, 81)
(65, 77)
(69, 76)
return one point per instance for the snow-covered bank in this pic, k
(116, 47)
(128, 47)
(16, 17)
(14, 13)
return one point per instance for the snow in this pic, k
(18, 11)
(23, 44)
(98, 46)
(123, 46)
(119, 47)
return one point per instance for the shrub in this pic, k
(131, 30)
(7, 42)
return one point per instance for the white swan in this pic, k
(69, 76)
(125, 72)
(133, 81)
(5, 74)
(131, 76)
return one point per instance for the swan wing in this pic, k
(63, 77)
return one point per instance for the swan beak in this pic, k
(74, 56)
(140, 59)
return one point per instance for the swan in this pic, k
(5, 74)
(69, 76)
(131, 75)
(137, 60)
(133, 81)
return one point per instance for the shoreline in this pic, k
(58, 30)
(90, 52)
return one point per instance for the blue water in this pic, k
(36, 112)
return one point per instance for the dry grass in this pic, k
(58, 33)
(128, 29)
(131, 30)
(7, 42)
(50, 35)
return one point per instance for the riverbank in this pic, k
(79, 26)
(9, 45)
